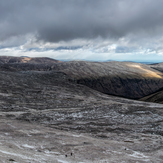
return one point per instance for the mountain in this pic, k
(46, 116)
(125, 79)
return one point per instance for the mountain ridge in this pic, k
(124, 79)
(25, 59)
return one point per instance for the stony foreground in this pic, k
(24, 142)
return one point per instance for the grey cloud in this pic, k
(57, 20)
(54, 49)
(124, 49)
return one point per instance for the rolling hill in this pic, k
(38, 60)
(125, 79)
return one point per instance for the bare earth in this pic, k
(28, 142)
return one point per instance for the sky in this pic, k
(97, 30)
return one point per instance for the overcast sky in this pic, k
(82, 29)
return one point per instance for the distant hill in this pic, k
(157, 66)
(142, 62)
(24, 59)
(147, 63)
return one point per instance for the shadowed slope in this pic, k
(155, 97)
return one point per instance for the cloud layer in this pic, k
(133, 26)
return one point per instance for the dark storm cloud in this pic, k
(57, 20)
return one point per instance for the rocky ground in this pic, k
(24, 142)
(47, 117)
